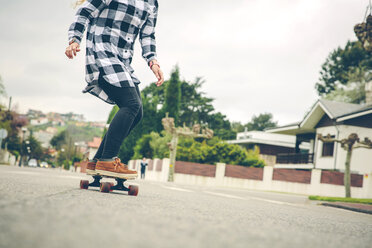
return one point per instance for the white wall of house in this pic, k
(361, 161)
(320, 161)
(39, 121)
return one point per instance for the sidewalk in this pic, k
(358, 207)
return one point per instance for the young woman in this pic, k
(112, 27)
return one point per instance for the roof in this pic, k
(363, 110)
(337, 111)
(95, 143)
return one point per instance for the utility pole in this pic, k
(23, 139)
(10, 103)
(168, 124)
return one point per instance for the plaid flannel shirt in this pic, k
(112, 27)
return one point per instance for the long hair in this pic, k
(78, 2)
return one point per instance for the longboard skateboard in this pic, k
(107, 187)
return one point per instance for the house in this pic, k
(269, 144)
(337, 119)
(39, 121)
(34, 114)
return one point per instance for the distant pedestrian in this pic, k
(143, 167)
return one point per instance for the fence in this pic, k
(300, 181)
(295, 158)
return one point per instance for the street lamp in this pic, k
(23, 138)
(28, 150)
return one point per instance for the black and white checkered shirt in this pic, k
(112, 27)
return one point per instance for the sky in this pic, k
(255, 56)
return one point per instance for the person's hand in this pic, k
(72, 49)
(158, 73)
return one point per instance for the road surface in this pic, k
(45, 208)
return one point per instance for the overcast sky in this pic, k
(256, 56)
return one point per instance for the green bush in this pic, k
(143, 148)
(159, 144)
(66, 164)
(217, 151)
(197, 150)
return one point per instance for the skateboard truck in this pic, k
(106, 187)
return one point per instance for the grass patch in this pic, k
(340, 199)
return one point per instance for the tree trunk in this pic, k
(347, 172)
(172, 157)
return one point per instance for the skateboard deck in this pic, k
(106, 187)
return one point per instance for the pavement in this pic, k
(46, 208)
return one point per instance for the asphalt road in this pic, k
(45, 208)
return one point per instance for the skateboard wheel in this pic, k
(84, 184)
(105, 187)
(111, 185)
(133, 190)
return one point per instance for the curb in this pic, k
(365, 211)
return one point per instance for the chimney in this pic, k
(368, 89)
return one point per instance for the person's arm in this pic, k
(89, 10)
(148, 44)
(147, 36)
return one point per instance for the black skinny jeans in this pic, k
(129, 114)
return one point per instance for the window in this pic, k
(328, 148)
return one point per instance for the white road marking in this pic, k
(23, 172)
(73, 177)
(224, 195)
(252, 198)
(273, 201)
(177, 189)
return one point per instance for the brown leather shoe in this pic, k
(91, 167)
(114, 168)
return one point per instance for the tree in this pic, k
(340, 67)
(59, 140)
(173, 95)
(237, 127)
(32, 147)
(195, 107)
(143, 148)
(176, 132)
(354, 90)
(12, 122)
(261, 122)
(159, 144)
(349, 144)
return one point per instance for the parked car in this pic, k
(32, 162)
(44, 164)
